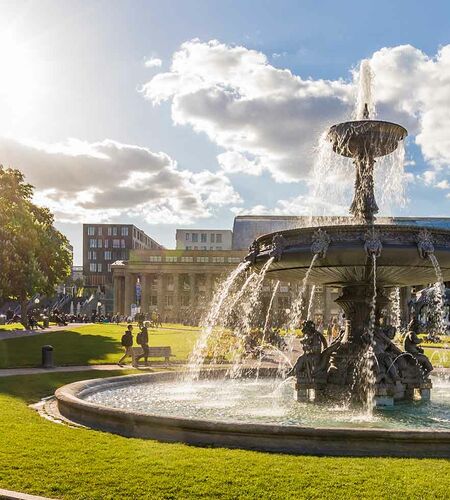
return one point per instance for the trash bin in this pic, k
(2, 319)
(45, 321)
(47, 356)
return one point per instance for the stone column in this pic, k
(160, 294)
(209, 287)
(145, 292)
(176, 296)
(192, 290)
(130, 283)
(116, 292)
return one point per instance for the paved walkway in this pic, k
(14, 334)
(15, 495)
(10, 372)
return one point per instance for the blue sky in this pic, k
(75, 118)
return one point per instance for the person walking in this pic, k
(127, 343)
(142, 340)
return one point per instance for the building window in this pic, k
(109, 231)
(106, 243)
(218, 260)
(92, 267)
(234, 260)
(195, 237)
(188, 248)
(109, 268)
(100, 231)
(202, 259)
(153, 300)
(122, 243)
(218, 248)
(92, 243)
(99, 267)
(91, 231)
(154, 258)
(187, 259)
(116, 243)
(204, 248)
(203, 237)
(218, 238)
(114, 229)
(170, 258)
(169, 300)
(92, 255)
(213, 239)
(188, 235)
(124, 231)
(99, 243)
(108, 255)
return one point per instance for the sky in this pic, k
(187, 113)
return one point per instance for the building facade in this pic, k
(103, 244)
(177, 283)
(204, 239)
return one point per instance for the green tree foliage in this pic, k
(34, 256)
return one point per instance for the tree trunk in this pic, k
(24, 313)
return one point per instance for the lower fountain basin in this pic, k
(346, 261)
(254, 414)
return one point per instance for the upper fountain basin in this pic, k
(366, 138)
(346, 260)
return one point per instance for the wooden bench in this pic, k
(155, 352)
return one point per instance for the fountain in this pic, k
(249, 405)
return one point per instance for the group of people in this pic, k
(127, 343)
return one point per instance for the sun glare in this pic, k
(18, 74)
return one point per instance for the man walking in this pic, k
(127, 343)
(142, 340)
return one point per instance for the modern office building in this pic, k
(204, 239)
(248, 227)
(104, 244)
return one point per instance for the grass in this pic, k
(90, 344)
(43, 458)
(11, 327)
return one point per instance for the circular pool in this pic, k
(256, 414)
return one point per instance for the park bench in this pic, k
(155, 352)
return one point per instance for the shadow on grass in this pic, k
(32, 389)
(70, 348)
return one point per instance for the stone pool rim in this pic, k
(334, 441)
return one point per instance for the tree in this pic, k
(34, 256)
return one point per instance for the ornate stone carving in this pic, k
(320, 244)
(425, 244)
(278, 245)
(372, 245)
(253, 251)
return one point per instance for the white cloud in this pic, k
(153, 62)
(98, 181)
(273, 118)
(443, 184)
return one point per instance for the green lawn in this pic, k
(11, 327)
(43, 458)
(90, 344)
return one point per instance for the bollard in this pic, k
(46, 321)
(47, 356)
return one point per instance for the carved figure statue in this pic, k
(412, 343)
(278, 246)
(253, 251)
(372, 245)
(385, 352)
(425, 244)
(310, 361)
(321, 242)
